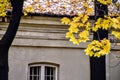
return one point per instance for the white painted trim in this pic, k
(42, 75)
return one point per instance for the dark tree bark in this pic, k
(98, 65)
(8, 37)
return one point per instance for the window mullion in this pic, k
(33, 73)
(56, 73)
(42, 72)
(50, 73)
(37, 73)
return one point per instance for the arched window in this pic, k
(43, 71)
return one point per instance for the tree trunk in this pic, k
(8, 37)
(98, 65)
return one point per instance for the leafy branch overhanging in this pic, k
(80, 28)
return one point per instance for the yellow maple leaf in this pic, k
(84, 33)
(105, 24)
(80, 15)
(84, 36)
(74, 24)
(76, 19)
(89, 10)
(75, 41)
(69, 35)
(65, 20)
(105, 2)
(3, 7)
(88, 26)
(98, 48)
(116, 34)
(73, 29)
(85, 5)
(85, 18)
(116, 23)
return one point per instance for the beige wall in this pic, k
(42, 39)
(74, 65)
(113, 65)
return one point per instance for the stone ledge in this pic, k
(46, 43)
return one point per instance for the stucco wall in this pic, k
(74, 65)
(113, 65)
(42, 39)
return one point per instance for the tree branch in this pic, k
(14, 23)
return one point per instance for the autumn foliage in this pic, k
(80, 27)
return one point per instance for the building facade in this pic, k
(40, 51)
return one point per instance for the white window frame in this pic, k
(42, 69)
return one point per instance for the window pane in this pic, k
(47, 78)
(47, 70)
(31, 68)
(52, 71)
(52, 78)
(42, 72)
(35, 73)
(49, 73)
(35, 70)
(30, 77)
(35, 77)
